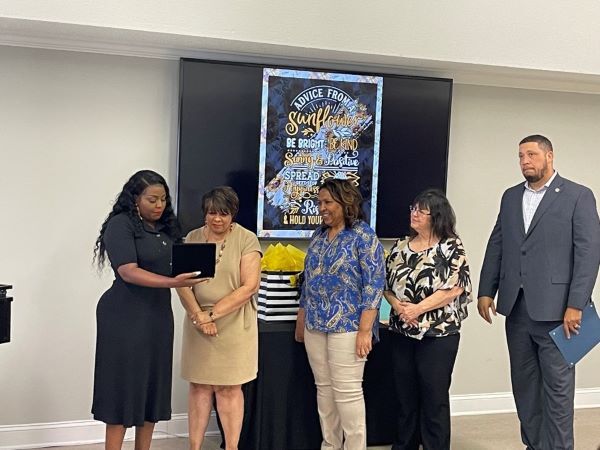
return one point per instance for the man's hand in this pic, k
(484, 304)
(572, 321)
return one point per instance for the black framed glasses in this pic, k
(420, 212)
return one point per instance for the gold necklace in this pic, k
(222, 247)
(220, 252)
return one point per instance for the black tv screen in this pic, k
(219, 140)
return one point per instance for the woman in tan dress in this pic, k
(220, 334)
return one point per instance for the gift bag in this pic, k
(279, 289)
(278, 296)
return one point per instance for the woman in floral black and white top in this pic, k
(428, 287)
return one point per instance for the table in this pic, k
(281, 404)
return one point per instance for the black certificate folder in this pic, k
(580, 344)
(194, 258)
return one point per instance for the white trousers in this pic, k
(338, 373)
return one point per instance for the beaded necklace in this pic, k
(222, 246)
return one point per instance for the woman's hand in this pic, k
(210, 329)
(200, 318)
(410, 312)
(187, 280)
(299, 332)
(204, 323)
(364, 343)
(394, 301)
(133, 274)
(398, 306)
(438, 299)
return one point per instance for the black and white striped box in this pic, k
(278, 296)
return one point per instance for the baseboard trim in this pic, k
(476, 404)
(503, 402)
(78, 432)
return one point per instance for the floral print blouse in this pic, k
(414, 276)
(342, 278)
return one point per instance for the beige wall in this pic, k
(74, 126)
(487, 124)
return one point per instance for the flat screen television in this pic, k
(220, 131)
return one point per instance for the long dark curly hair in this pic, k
(126, 203)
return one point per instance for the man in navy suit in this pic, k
(542, 259)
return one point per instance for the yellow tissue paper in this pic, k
(281, 257)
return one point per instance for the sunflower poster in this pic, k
(315, 125)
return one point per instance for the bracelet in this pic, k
(194, 320)
(193, 317)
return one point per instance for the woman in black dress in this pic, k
(134, 345)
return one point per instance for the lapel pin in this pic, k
(557, 190)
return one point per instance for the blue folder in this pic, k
(580, 344)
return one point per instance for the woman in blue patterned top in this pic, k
(344, 280)
(429, 288)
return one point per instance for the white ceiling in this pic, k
(155, 44)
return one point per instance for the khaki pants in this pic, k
(338, 373)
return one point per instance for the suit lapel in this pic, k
(518, 200)
(552, 193)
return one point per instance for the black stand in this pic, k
(4, 313)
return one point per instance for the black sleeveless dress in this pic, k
(134, 344)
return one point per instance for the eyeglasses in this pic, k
(419, 212)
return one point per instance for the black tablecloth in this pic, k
(281, 404)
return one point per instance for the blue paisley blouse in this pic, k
(342, 278)
(414, 276)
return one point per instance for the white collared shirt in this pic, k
(532, 199)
